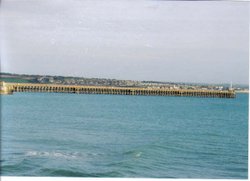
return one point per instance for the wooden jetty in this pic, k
(9, 88)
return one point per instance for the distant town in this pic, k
(65, 80)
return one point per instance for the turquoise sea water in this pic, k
(54, 134)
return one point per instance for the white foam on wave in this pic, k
(59, 154)
(137, 155)
(54, 154)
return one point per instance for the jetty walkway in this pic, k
(9, 88)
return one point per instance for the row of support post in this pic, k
(121, 91)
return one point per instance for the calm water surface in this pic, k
(53, 134)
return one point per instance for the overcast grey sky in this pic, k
(140, 40)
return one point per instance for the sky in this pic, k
(172, 41)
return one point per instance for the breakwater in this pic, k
(8, 88)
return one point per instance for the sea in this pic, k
(89, 135)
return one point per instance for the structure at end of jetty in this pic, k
(9, 88)
(5, 89)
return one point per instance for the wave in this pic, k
(71, 173)
(54, 154)
(20, 168)
(134, 153)
(65, 155)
